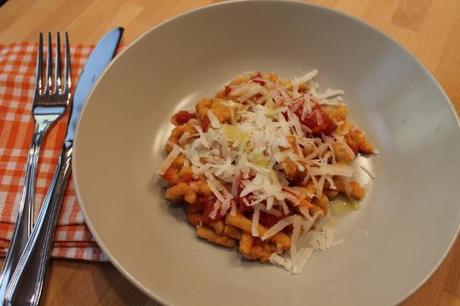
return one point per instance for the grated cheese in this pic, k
(278, 227)
(255, 222)
(302, 259)
(215, 123)
(281, 261)
(295, 236)
(214, 210)
(367, 171)
(170, 159)
(202, 136)
(215, 191)
(308, 77)
(184, 137)
(329, 93)
(246, 154)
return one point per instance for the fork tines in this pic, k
(59, 85)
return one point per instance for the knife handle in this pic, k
(27, 282)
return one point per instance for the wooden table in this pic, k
(430, 29)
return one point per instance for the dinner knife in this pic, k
(27, 281)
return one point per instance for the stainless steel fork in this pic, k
(52, 95)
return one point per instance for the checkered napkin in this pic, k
(17, 81)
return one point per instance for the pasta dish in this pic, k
(257, 165)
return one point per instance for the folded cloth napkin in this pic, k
(17, 81)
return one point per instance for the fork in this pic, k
(52, 95)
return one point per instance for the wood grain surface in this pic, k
(429, 29)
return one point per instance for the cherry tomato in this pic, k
(182, 117)
(268, 220)
(208, 206)
(318, 121)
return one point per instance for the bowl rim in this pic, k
(361, 22)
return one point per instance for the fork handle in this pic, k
(24, 220)
(27, 282)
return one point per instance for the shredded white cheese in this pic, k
(329, 93)
(246, 160)
(215, 191)
(278, 227)
(213, 120)
(215, 209)
(255, 222)
(170, 159)
(367, 171)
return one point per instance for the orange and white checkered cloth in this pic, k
(17, 81)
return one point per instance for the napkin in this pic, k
(17, 80)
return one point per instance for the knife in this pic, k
(27, 281)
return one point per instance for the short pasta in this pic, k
(256, 166)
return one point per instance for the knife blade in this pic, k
(98, 60)
(27, 290)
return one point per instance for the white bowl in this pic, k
(409, 218)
